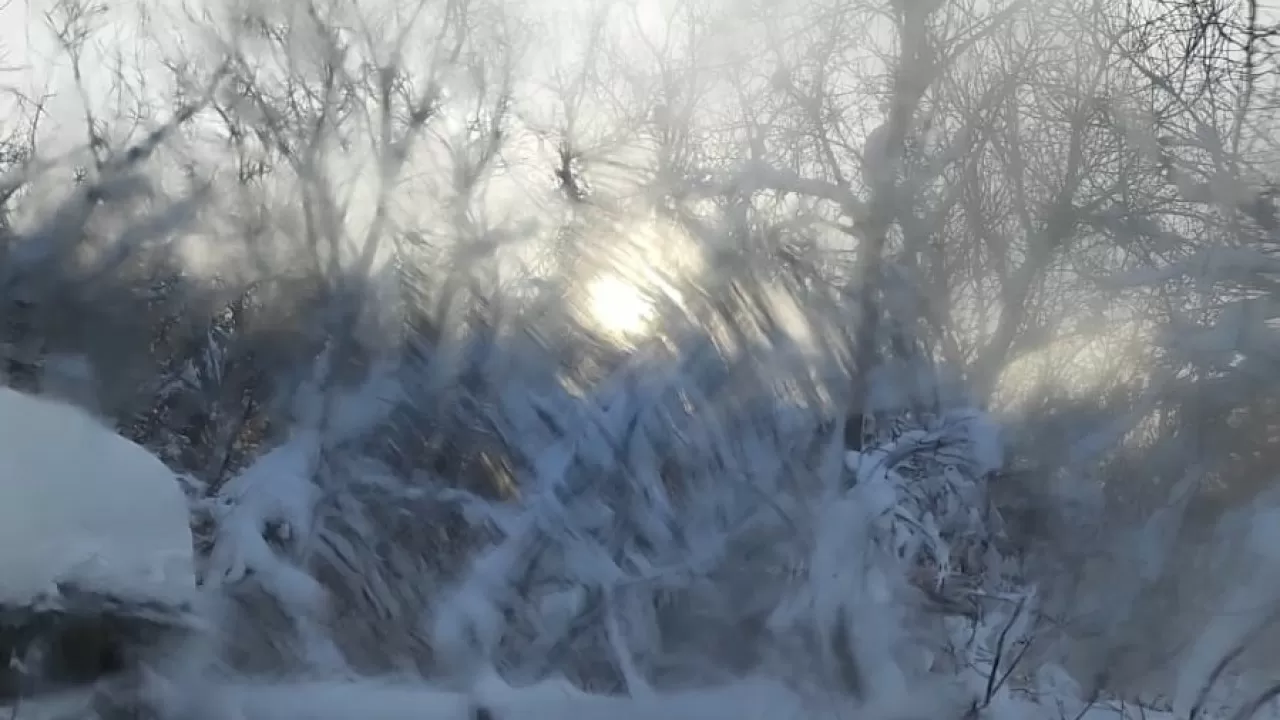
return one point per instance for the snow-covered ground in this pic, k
(748, 699)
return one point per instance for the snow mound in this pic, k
(83, 507)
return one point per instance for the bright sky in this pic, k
(124, 47)
(521, 188)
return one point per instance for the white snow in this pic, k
(276, 488)
(746, 699)
(81, 504)
(749, 699)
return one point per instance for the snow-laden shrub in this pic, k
(685, 517)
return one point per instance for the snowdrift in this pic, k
(85, 508)
(96, 557)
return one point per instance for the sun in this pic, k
(618, 306)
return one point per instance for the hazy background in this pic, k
(555, 337)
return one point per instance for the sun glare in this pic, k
(618, 306)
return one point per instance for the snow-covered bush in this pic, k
(682, 519)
